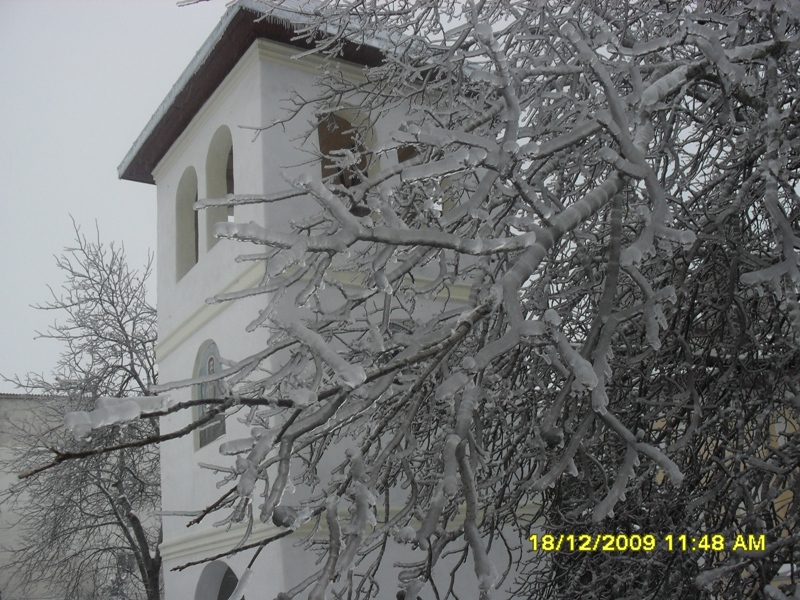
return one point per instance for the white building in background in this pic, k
(16, 410)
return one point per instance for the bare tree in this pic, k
(87, 528)
(576, 301)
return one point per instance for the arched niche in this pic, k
(344, 134)
(186, 224)
(217, 582)
(219, 179)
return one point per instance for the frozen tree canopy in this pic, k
(562, 297)
(87, 528)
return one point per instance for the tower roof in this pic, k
(241, 25)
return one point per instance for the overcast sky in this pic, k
(79, 80)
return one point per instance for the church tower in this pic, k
(206, 141)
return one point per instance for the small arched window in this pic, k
(187, 246)
(228, 585)
(345, 157)
(405, 153)
(217, 582)
(219, 179)
(229, 182)
(208, 363)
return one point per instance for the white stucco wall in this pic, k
(186, 321)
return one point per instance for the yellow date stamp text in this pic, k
(646, 542)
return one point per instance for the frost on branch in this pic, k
(349, 374)
(561, 294)
(605, 508)
(111, 411)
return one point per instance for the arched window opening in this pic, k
(217, 582)
(208, 363)
(229, 182)
(219, 180)
(186, 224)
(345, 158)
(227, 585)
(405, 153)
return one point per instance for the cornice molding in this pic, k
(212, 542)
(250, 277)
(216, 541)
(297, 58)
